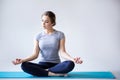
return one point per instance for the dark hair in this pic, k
(51, 15)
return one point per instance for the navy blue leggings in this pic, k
(39, 69)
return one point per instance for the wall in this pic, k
(91, 27)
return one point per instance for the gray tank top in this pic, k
(49, 46)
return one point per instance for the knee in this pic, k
(24, 65)
(70, 64)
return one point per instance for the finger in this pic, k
(14, 62)
(77, 59)
(18, 59)
(81, 62)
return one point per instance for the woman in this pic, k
(49, 42)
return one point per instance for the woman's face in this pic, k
(46, 23)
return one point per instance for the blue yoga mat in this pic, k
(103, 75)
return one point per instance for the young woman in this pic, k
(48, 43)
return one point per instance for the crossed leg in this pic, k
(53, 69)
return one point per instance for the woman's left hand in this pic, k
(78, 60)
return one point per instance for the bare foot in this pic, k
(56, 74)
(46, 69)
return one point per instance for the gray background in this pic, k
(91, 27)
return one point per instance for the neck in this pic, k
(49, 31)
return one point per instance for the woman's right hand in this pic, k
(17, 61)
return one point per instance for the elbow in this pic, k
(35, 56)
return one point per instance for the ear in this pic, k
(53, 24)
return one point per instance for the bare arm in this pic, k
(32, 57)
(63, 52)
(65, 55)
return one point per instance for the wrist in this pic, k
(23, 60)
(72, 59)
